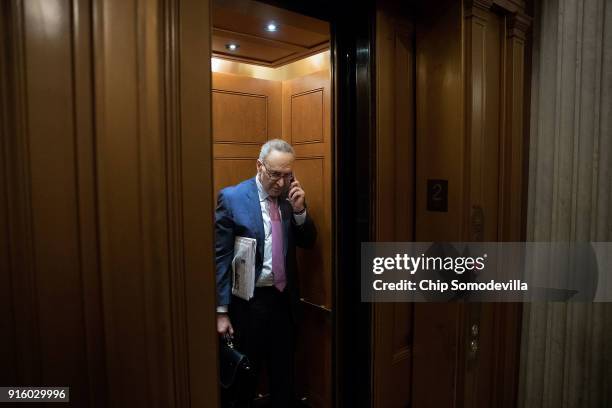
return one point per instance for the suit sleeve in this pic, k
(306, 233)
(224, 249)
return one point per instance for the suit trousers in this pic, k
(264, 331)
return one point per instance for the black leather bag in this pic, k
(235, 376)
(235, 368)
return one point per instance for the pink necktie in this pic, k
(278, 258)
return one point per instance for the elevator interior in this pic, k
(271, 79)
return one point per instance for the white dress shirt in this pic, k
(266, 278)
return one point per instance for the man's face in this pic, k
(275, 172)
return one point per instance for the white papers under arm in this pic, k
(243, 267)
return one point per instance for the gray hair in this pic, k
(275, 144)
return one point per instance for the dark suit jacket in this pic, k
(238, 213)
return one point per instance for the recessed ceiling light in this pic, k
(232, 46)
(271, 27)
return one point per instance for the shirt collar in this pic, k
(263, 195)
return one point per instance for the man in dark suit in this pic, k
(271, 208)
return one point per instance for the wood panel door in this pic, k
(469, 104)
(307, 126)
(107, 252)
(246, 112)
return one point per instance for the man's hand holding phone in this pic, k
(296, 196)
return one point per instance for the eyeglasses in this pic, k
(277, 175)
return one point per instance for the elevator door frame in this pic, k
(351, 47)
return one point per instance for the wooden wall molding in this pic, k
(510, 6)
(307, 92)
(480, 14)
(8, 345)
(224, 91)
(87, 207)
(518, 25)
(511, 155)
(315, 288)
(392, 343)
(482, 112)
(470, 5)
(18, 197)
(321, 136)
(233, 158)
(239, 143)
(268, 92)
(278, 63)
(293, 58)
(197, 200)
(259, 39)
(497, 218)
(263, 98)
(176, 248)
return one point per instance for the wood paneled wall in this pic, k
(246, 114)
(307, 125)
(108, 241)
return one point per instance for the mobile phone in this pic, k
(285, 194)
